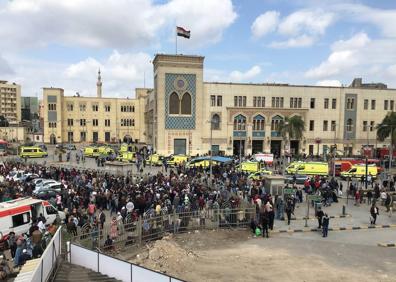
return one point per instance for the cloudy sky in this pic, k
(62, 43)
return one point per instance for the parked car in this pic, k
(46, 194)
(297, 178)
(70, 147)
(43, 184)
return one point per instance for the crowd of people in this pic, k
(97, 198)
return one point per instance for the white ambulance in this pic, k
(17, 215)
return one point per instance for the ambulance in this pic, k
(17, 215)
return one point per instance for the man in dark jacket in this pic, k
(264, 219)
(325, 223)
(319, 215)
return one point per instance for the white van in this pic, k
(17, 215)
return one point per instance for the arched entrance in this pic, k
(53, 139)
(127, 139)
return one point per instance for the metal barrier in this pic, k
(150, 228)
(45, 265)
(115, 268)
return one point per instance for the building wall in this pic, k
(124, 117)
(318, 115)
(10, 101)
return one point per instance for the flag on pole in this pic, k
(182, 32)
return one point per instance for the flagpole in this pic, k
(176, 40)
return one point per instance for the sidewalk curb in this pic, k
(314, 218)
(335, 228)
(386, 245)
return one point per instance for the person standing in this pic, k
(289, 210)
(369, 197)
(325, 224)
(374, 213)
(319, 215)
(264, 219)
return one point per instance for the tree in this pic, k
(385, 127)
(293, 127)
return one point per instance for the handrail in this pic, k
(121, 260)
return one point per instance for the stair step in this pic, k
(75, 273)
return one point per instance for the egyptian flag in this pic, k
(182, 32)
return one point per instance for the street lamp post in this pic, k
(334, 149)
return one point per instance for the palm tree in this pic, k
(293, 127)
(387, 125)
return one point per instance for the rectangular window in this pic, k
(240, 101)
(212, 100)
(95, 108)
(235, 101)
(277, 102)
(107, 136)
(69, 122)
(333, 125)
(83, 122)
(20, 219)
(311, 150)
(219, 101)
(365, 125)
(372, 125)
(83, 136)
(281, 102)
(311, 125)
(300, 102)
(350, 103)
(107, 122)
(386, 102)
(392, 103)
(82, 107)
(70, 107)
(312, 105)
(373, 104)
(52, 107)
(107, 108)
(273, 102)
(95, 136)
(254, 101)
(326, 103)
(263, 102)
(291, 102)
(333, 103)
(325, 125)
(244, 101)
(365, 105)
(70, 136)
(95, 122)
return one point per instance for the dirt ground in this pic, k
(223, 255)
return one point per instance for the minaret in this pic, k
(99, 86)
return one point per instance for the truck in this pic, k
(263, 157)
(17, 215)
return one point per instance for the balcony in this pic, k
(239, 133)
(275, 134)
(258, 134)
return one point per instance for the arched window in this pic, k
(349, 125)
(133, 122)
(276, 123)
(258, 122)
(186, 104)
(240, 122)
(133, 109)
(215, 122)
(174, 108)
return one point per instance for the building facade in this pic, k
(29, 108)
(186, 115)
(92, 119)
(182, 114)
(10, 101)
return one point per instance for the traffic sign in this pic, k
(315, 198)
(289, 191)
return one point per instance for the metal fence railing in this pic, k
(149, 228)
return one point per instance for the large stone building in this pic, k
(176, 116)
(246, 117)
(10, 101)
(92, 119)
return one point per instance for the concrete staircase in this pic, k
(74, 273)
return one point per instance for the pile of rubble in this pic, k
(165, 254)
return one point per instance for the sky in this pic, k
(63, 43)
